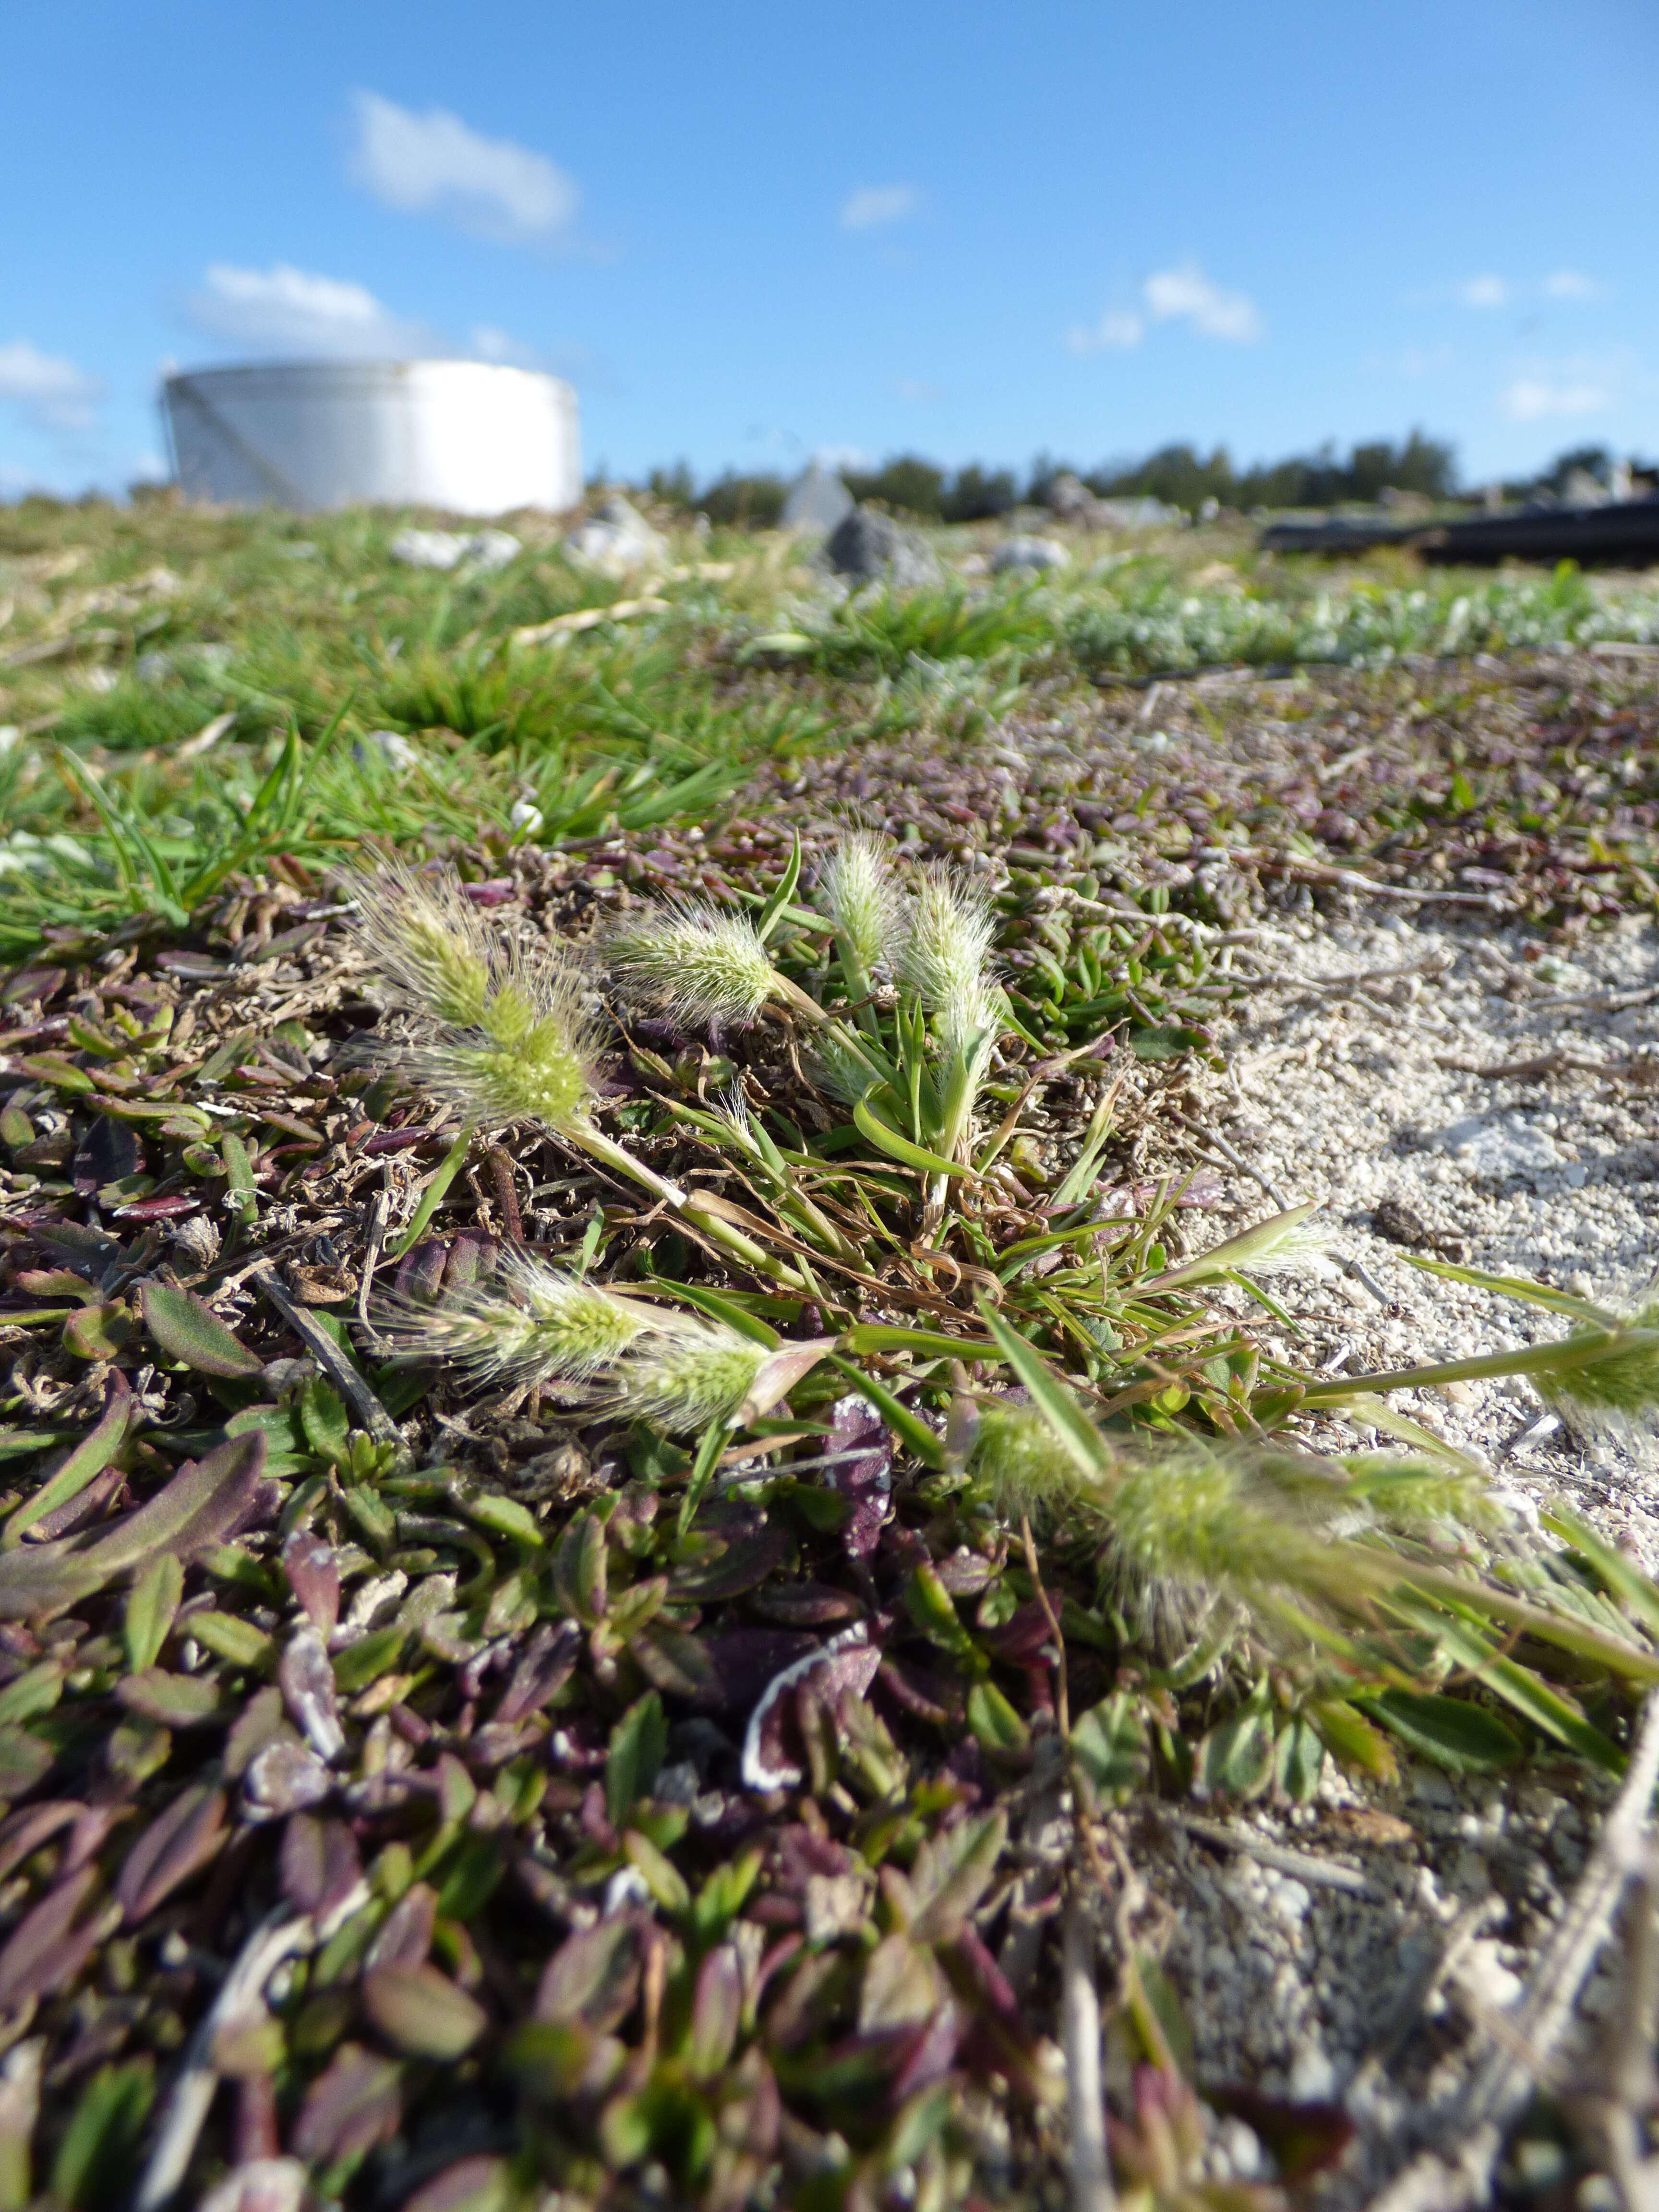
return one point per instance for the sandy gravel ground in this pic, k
(1362, 1076)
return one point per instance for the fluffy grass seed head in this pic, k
(839, 1065)
(1027, 1470)
(426, 941)
(687, 1374)
(946, 955)
(501, 1034)
(1617, 1389)
(529, 1057)
(529, 1323)
(691, 962)
(856, 891)
(1181, 1526)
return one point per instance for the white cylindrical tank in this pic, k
(470, 436)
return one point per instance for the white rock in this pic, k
(1027, 553)
(1493, 1145)
(427, 549)
(390, 746)
(453, 549)
(1483, 1975)
(1312, 2076)
(617, 538)
(491, 549)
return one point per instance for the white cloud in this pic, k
(292, 311)
(1183, 295)
(1534, 399)
(52, 393)
(1570, 284)
(1483, 292)
(433, 164)
(844, 457)
(1186, 294)
(1118, 329)
(919, 392)
(872, 206)
(491, 343)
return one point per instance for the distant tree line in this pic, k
(1179, 475)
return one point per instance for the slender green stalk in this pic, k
(433, 1196)
(1572, 1354)
(686, 1203)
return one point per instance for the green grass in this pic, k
(307, 634)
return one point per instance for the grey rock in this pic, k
(817, 502)
(1133, 514)
(1069, 496)
(1028, 553)
(867, 546)
(617, 538)
(1071, 499)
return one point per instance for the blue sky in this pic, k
(748, 232)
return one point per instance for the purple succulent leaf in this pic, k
(965, 1573)
(547, 1664)
(974, 1975)
(921, 1690)
(866, 1481)
(26, 1831)
(593, 1978)
(1025, 1639)
(716, 2013)
(807, 1605)
(354, 2106)
(931, 2054)
(802, 1853)
(47, 1946)
(306, 1682)
(748, 1546)
(421, 1271)
(405, 1937)
(75, 1512)
(320, 1863)
(471, 1259)
(313, 1575)
(176, 1843)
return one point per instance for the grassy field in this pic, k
(573, 1505)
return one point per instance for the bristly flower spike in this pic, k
(945, 959)
(507, 1038)
(692, 963)
(530, 1323)
(1283, 1244)
(856, 892)
(687, 1376)
(426, 941)
(946, 954)
(1183, 1523)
